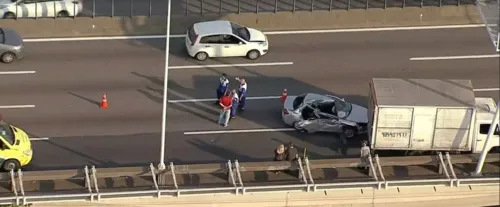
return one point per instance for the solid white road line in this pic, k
(486, 89)
(16, 72)
(40, 139)
(456, 57)
(230, 65)
(268, 33)
(17, 106)
(239, 131)
(213, 99)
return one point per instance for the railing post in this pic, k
(21, 185)
(74, 11)
(366, 4)
(13, 185)
(444, 167)
(302, 175)
(385, 4)
(231, 176)
(187, 7)
(131, 8)
(87, 183)
(201, 7)
(257, 6)
(112, 8)
(153, 176)
(404, 4)
(172, 170)
(94, 180)
(54, 7)
(348, 5)
(237, 166)
(421, 3)
(220, 7)
(372, 171)
(150, 8)
(380, 172)
(309, 174)
(93, 8)
(294, 3)
(275, 6)
(454, 176)
(330, 6)
(239, 6)
(36, 9)
(312, 5)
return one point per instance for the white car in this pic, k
(324, 113)
(225, 39)
(10, 9)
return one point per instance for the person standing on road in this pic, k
(364, 154)
(234, 107)
(291, 152)
(222, 88)
(279, 155)
(225, 102)
(242, 92)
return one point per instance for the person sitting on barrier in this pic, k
(364, 154)
(291, 153)
(279, 155)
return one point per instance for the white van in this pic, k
(224, 39)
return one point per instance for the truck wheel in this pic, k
(349, 132)
(11, 164)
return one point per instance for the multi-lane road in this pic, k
(58, 103)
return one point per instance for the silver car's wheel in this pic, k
(8, 57)
(63, 14)
(201, 56)
(349, 132)
(9, 15)
(253, 54)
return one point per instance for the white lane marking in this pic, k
(267, 33)
(230, 65)
(239, 131)
(456, 57)
(17, 106)
(16, 72)
(486, 89)
(213, 99)
(40, 139)
(277, 97)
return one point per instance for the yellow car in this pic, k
(15, 147)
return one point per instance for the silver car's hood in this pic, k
(358, 114)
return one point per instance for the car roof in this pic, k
(213, 27)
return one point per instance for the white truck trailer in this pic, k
(422, 115)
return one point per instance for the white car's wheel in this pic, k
(201, 56)
(8, 57)
(253, 54)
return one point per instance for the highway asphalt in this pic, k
(197, 7)
(71, 77)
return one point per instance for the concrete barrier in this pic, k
(355, 18)
(402, 196)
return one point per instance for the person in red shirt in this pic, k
(225, 102)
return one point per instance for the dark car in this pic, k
(11, 45)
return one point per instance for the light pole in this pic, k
(492, 129)
(161, 166)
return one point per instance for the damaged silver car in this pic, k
(312, 112)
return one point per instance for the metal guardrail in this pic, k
(235, 184)
(131, 8)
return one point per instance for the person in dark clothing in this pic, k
(291, 152)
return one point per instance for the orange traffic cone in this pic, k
(104, 102)
(284, 95)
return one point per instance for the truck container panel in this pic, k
(421, 114)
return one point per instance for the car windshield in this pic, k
(7, 133)
(192, 35)
(240, 31)
(343, 109)
(2, 37)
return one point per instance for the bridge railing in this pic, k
(94, 184)
(131, 8)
